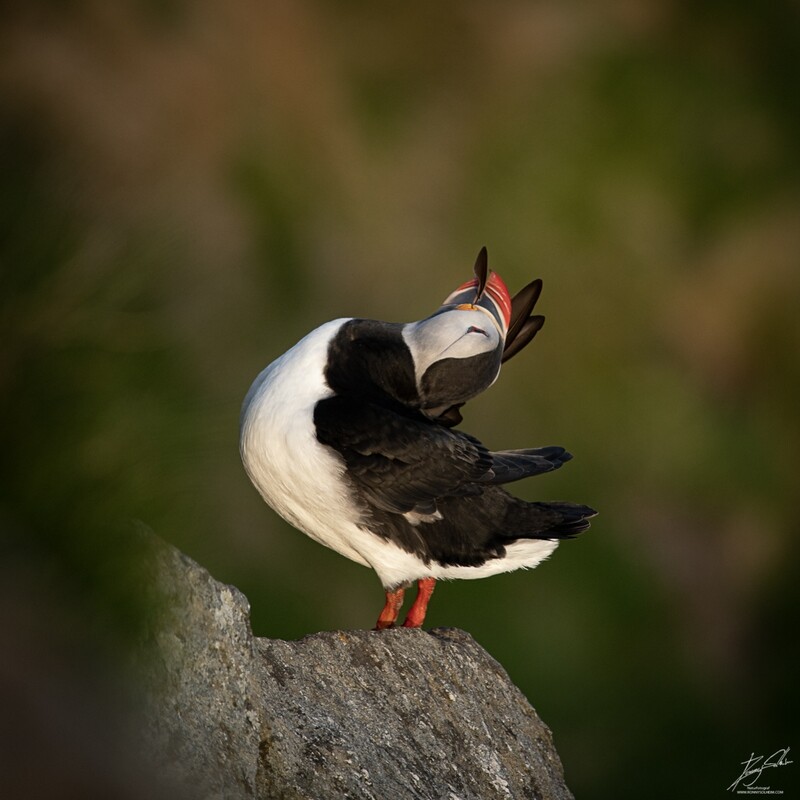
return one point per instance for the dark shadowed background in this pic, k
(188, 188)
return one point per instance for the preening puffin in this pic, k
(350, 437)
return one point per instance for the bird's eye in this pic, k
(474, 329)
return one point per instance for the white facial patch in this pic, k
(455, 333)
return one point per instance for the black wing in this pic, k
(400, 463)
(404, 464)
(514, 465)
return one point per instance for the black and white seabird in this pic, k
(350, 437)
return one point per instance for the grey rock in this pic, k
(202, 730)
(344, 714)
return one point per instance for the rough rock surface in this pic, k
(355, 714)
(204, 733)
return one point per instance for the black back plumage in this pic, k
(370, 359)
(400, 462)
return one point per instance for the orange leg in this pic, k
(416, 614)
(388, 617)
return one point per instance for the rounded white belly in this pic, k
(297, 476)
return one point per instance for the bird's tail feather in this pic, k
(547, 520)
(574, 519)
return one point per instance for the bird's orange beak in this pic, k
(494, 299)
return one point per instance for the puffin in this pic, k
(352, 437)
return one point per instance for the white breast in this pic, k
(295, 474)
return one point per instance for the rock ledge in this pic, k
(356, 714)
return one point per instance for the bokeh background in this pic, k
(187, 188)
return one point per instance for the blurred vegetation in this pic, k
(188, 188)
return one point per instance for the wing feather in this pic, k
(400, 463)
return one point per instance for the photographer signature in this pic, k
(755, 765)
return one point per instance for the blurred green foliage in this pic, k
(186, 189)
